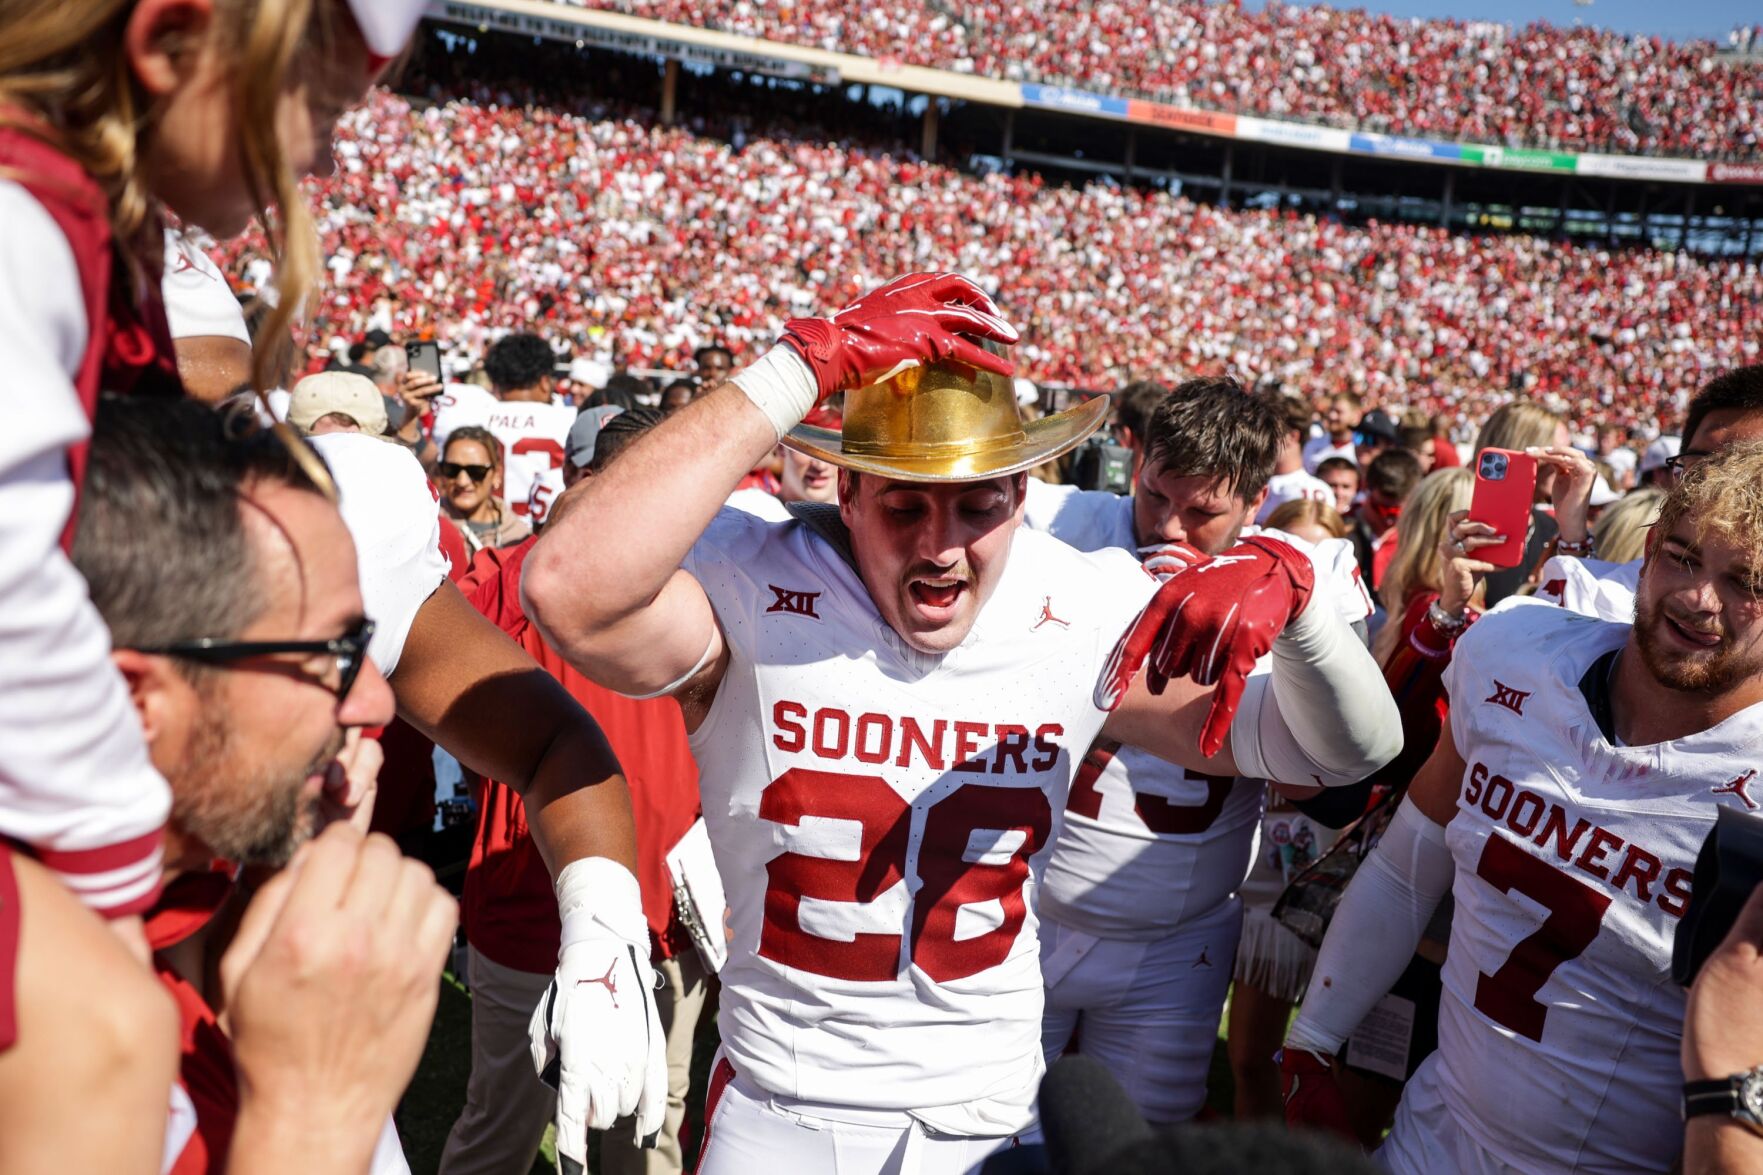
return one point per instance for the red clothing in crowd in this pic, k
(510, 909)
(205, 1071)
(128, 347)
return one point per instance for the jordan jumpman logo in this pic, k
(607, 980)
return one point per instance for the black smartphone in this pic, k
(1728, 868)
(424, 355)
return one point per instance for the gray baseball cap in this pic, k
(586, 431)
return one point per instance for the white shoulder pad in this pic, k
(1591, 587)
(394, 517)
(198, 300)
(458, 405)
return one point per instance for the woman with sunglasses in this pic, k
(470, 479)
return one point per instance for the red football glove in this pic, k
(1164, 561)
(1313, 1097)
(913, 320)
(1212, 622)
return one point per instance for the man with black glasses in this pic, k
(247, 665)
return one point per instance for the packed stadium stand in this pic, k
(1537, 86)
(482, 209)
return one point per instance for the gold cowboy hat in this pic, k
(945, 422)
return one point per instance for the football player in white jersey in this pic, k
(1583, 765)
(1290, 480)
(1728, 409)
(1139, 908)
(888, 702)
(520, 412)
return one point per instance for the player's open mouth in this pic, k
(1694, 636)
(937, 595)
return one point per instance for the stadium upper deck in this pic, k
(1542, 87)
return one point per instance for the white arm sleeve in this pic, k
(75, 782)
(1375, 929)
(1323, 715)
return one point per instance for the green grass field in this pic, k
(434, 1098)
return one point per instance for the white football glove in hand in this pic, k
(596, 1036)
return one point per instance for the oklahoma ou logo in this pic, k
(793, 602)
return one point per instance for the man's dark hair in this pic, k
(160, 539)
(1412, 436)
(621, 391)
(1334, 463)
(1211, 427)
(519, 361)
(1294, 410)
(1740, 388)
(713, 349)
(1134, 404)
(1393, 473)
(616, 434)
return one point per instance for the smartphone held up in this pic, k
(1505, 487)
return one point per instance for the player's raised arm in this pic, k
(604, 583)
(1323, 715)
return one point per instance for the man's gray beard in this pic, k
(259, 818)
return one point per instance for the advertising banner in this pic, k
(1185, 118)
(1736, 173)
(1639, 167)
(1073, 101)
(1521, 159)
(1398, 147)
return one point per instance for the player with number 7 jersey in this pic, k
(888, 699)
(1583, 766)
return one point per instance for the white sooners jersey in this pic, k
(880, 818)
(1148, 845)
(533, 437)
(1559, 1024)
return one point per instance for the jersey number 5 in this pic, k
(975, 850)
(1576, 911)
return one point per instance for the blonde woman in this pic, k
(1565, 478)
(114, 116)
(1621, 531)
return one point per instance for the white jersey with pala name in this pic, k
(533, 435)
(1559, 1023)
(881, 817)
(1147, 845)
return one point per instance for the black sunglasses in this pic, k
(452, 469)
(350, 650)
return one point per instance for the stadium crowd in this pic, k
(617, 234)
(1542, 85)
(953, 728)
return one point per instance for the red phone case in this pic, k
(1504, 504)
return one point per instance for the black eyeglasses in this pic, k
(350, 650)
(452, 469)
(1682, 464)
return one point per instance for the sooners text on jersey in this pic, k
(1559, 1023)
(880, 817)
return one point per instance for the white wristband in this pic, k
(780, 385)
(599, 898)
